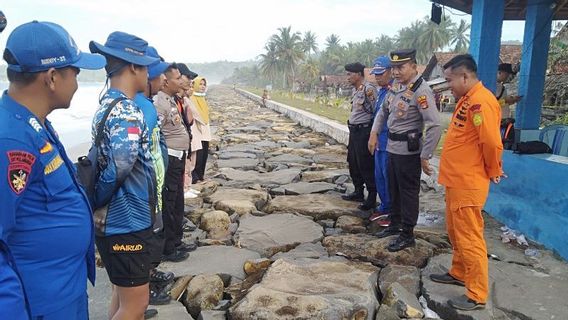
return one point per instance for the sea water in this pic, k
(73, 125)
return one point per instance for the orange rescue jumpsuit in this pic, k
(470, 157)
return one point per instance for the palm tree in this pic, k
(309, 43)
(407, 37)
(332, 41)
(310, 70)
(459, 37)
(290, 52)
(269, 63)
(385, 44)
(433, 38)
(366, 52)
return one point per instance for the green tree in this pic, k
(290, 52)
(459, 37)
(332, 42)
(385, 44)
(433, 38)
(309, 42)
(270, 64)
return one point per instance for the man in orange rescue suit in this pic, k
(471, 158)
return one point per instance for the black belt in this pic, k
(359, 125)
(401, 136)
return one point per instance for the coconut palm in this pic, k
(459, 37)
(385, 44)
(309, 43)
(290, 52)
(269, 63)
(433, 38)
(332, 42)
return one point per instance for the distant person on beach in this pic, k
(125, 196)
(361, 162)
(46, 226)
(470, 160)
(202, 127)
(175, 131)
(504, 73)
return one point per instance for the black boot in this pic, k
(370, 203)
(356, 195)
(405, 239)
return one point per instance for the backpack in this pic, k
(508, 133)
(87, 166)
(531, 147)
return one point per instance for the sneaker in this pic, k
(189, 195)
(384, 221)
(158, 276)
(175, 256)
(389, 231)
(402, 242)
(158, 298)
(186, 247)
(378, 215)
(356, 196)
(465, 303)
(447, 279)
(150, 313)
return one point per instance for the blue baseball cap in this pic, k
(37, 46)
(156, 68)
(381, 65)
(124, 46)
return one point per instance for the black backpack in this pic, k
(87, 167)
(531, 147)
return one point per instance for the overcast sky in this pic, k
(212, 30)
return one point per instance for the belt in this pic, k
(359, 125)
(176, 153)
(401, 136)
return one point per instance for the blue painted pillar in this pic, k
(538, 24)
(485, 39)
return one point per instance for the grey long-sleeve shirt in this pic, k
(404, 110)
(172, 125)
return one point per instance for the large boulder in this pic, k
(203, 293)
(275, 233)
(407, 276)
(241, 201)
(238, 163)
(305, 250)
(318, 206)
(224, 260)
(215, 221)
(405, 303)
(289, 159)
(324, 175)
(364, 246)
(311, 289)
(350, 224)
(279, 177)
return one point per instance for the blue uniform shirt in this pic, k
(45, 220)
(384, 134)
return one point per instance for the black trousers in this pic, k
(404, 186)
(200, 162)
(172, 204)
(361, 162)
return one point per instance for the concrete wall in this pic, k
(534, 198)
(337, 131)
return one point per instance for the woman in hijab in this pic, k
(200, 128)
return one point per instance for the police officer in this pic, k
(361, 163)
(46, 220)
(383, 76)
(409, 109)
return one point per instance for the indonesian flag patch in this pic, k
(133, 133)
(19, 169)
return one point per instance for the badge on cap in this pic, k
(19, 168)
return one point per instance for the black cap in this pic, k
(355, 67)
(506, 67)
(184, 70)
(402, 56)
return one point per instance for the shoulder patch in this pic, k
(475, 108)
(371, 92)
(477, 119)
(423, 102)
(19, 168)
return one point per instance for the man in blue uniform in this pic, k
(382, 71)
(46, 220)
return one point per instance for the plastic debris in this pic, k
(532, 253)
(509, 235)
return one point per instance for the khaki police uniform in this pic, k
(410, 112)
